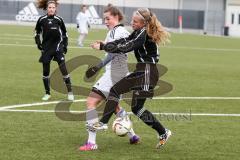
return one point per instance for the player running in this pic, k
(83, 25)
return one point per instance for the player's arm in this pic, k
(78, 19)
(38, 31)
(106, 60)
(93, 70)
(126, 44)
(64, 36)
(88, 23)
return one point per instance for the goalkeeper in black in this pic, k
(52, 40)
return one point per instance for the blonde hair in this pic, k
(43, 4)
(154, 28)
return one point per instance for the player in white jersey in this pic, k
(116, 68)
(83, 25)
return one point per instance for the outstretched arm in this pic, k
(125, 45)
(93, 70)
(105, 61)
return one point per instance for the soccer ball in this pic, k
(121, 126)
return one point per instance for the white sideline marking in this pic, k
(27, 37)
(32, 40)
(38, 104)
(34, 46)
(170, 47)
(199, 98)
(84, 100)
(206, 49)
(155, 113)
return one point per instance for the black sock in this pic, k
(46, 83)
(149, 119)
(67, 81)
(109, 109)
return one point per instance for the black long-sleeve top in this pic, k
(145, 50)
(54, 34)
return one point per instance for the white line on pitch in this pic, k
(199, 98)
(29, 45)
(155, 113)
(31, 39)
(170, 47)
(38, 104)
(155, 98)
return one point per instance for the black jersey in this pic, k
(145, 50)
(53, 32)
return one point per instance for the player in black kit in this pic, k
(148, 33)
(52, 40)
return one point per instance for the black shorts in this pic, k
(144, 78)
(142, 81)
(46, 58)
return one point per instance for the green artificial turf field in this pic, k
(204, 73)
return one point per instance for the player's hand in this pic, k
(92, 71)
(65, 50)
(89, 26)
(77, 25)
(95, 45)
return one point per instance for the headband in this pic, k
(145, 18)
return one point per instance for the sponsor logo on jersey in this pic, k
(28, 14)
(93, 16)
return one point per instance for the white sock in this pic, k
(123, 113)
(131, 133)
(92, 117)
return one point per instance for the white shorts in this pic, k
(83, 30)
(105, 83)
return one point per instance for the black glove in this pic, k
(92, 71)
(38, 42)
(65, 49)
(77, 25)
(89, 26)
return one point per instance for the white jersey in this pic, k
(119, 61)
(83, 22)
(117, 68)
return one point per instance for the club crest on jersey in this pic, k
(50, 21)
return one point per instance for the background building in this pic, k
(204, 16)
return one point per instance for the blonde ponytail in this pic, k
(154, 28)
(156, 31)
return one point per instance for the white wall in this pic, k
(233, 2)
(233, 8)
(164, 4)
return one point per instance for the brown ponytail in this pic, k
(43, 4)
